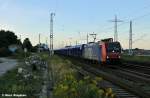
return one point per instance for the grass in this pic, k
(68, 85)
(66, 81)
(20, 56)
(60, 67)
(140, 59)
(13, 83)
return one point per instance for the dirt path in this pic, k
(7, 64)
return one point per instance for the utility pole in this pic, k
(94, 36)
(80, 40)
(39, 42)
(51, 33)
(70, 38)
(130, 39)
(116, 20)
(62, 44)
(50, 67)
(20, 37)
(76, 42)
(39, 39)
(46, 41)
(87, 38)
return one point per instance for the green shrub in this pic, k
(70, 87)
(4, 52)
(142, 59)
(21, 55)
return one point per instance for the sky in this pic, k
(74, 19)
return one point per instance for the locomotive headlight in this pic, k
(107, 57)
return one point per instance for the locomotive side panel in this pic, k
(103, 53)
(90, 52)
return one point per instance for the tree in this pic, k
(27, 44)
(137, 49)
(8, 38)
(35, 48)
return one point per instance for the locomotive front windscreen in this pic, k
(114, 47)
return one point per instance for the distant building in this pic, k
(139, 52)
(14, 47)
(43, 47)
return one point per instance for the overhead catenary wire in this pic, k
(133, 19)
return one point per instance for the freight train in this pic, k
(102, 51)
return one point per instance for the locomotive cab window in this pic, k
(114, 47)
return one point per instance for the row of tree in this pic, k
(8, 38)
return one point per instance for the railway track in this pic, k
(126, 84)
(140, 82)
(139, 75)
(118, 91)
(143, 76)
(139, 68)
(123, 80)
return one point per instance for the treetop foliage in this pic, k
(8, 38)
(27, 44)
